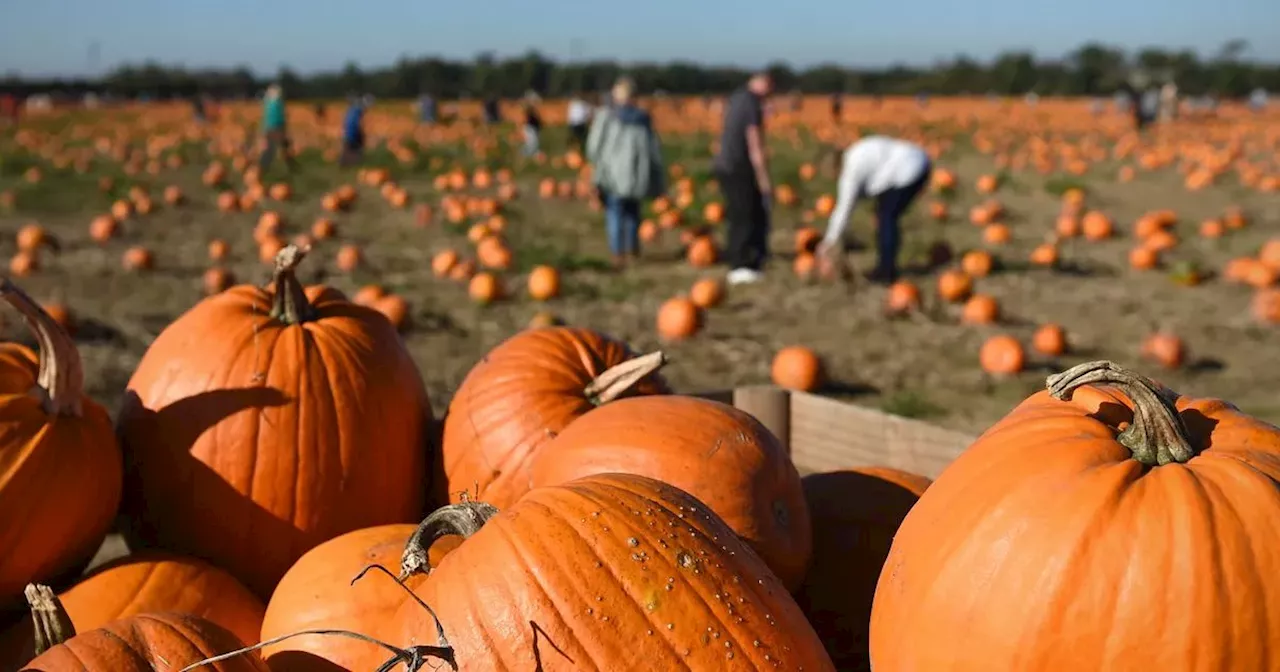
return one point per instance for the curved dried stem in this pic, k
(290, 304)
(617, 380)
(52, 624)
(463, 519)
(1157, 435)
(60, 382)
(414, 657)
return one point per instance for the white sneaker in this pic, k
(744, 276)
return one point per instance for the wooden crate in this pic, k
(823, 434)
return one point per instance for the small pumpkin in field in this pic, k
(148, 583)
(718, 454)
(139, 643)
(59, 457)
(678, 319)
(903, 297)
(251, 447)
(544, 283)
(955, 285)
(1049, 339)
(796, 368)
(523, 393)
(855, 514)
(1141, 476)
(620, 572)
(707, 293)
(1164, 348)
(1002, 355)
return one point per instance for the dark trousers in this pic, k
(579, 134)
(890, 207)
(747, 239)
(276, 139)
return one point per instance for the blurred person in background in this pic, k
(1258, 99)
(579, 118)
(532, 124)
(491, 112)
(837, 107)
(892, 171)
(426, 109)
(741, 167)
(353, 131)
(626, 158)
(274, 128)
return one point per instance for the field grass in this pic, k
(922, 366)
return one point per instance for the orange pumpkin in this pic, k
(616, 536)
(544, 283)
(523, 393)
(678, 319)
(317, 593)
(1152, 493)
(234, 454)
(53, 435)
(796, 368)
(1002, 355)
(707, 293)
(140, 643)
(855, 514)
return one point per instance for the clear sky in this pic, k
(55, 37)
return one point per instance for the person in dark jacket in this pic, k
(742, 170)
(353, 131)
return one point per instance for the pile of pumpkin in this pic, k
(276, 458)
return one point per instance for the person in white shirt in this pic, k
(892, 171)
(579, 119)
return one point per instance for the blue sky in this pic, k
(53, 37)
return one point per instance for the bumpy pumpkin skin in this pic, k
(154, 583)
(317, 593)
(248, 441)
(1044, 546)
(855, 514)
(713, 451)
(523, 393)
(60, 480)
(611, 572)
(147, 643)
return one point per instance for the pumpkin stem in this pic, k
(290, 304)
(615, 381)
(52, 624)
(441, 639)
(60, 382)
(463, 519)
(414, 657)
(1157, 435)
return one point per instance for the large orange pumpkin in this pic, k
(60, 471)
(1106, 523)
(855, 514)
(263, 423)
(713, 451)
(142, 643)
(151, 583)
(609, 572)
(523, 393)
(317, 592)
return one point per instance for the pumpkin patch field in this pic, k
(407, 415)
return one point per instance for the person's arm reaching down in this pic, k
(847, 188)
(755, 150)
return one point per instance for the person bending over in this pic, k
(892, 171)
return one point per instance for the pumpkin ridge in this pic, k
(671, 565)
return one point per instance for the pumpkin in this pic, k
(1158, 539)
(59, 458)
(1165, 349)
(139, 643)
(249, 428)
(616, 572)
(707, 293)
(713, 451)
(855, 514)
(796, 368)
(1049, 339)
(980, 309)
(678, 319)
(523, 393)
(1001, 355)
(903, 297)
(152, 583)
(544, 283)
(317, 592)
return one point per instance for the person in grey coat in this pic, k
(626, 158)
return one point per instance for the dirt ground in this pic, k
(925, 366)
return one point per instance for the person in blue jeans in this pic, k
(353, 131)
(626, 157)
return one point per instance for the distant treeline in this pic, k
(1093, 69)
